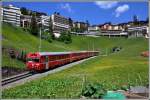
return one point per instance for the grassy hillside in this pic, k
(14, 37)
(114, 70)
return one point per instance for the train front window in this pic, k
(34, 60)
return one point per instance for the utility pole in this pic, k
(40, 25)
(93, 46)
(40, 40)
(88, 47)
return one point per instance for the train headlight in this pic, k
(37, 64)
(32, 65)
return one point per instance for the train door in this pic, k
(46, 61)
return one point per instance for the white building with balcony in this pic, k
(59, 24)
(25, 21)
(138, 31)
(45, 20)
(93, 28)
(11, 14)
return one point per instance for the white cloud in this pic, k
(67, 7)
(121, 9)
(106, 4)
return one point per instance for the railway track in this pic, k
(31, 76)
(16, 78)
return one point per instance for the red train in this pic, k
(40, 61)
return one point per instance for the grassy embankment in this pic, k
(116, 69)
(14, 37)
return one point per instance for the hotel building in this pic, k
(93, 28)
(59, 24)
(11, 14)
(45, 21)
(138, 31)
(25, 21)
(81, 25)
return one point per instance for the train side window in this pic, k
(42, 59)
(53, 58)
(50, 58)
(46, 58)
(56, 57)
(59, 57)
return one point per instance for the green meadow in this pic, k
(113, 70)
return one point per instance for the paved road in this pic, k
(40, 75)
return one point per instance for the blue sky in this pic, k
(95, 12)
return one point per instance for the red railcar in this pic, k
(40, 61)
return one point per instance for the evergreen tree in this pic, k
(24, 11)
(135, 20)
(70, 22)
(147, 20)
(87, 22)
(34, 26)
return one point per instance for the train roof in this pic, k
(60, 53)
(53, 53)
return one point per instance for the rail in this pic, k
(16, 78)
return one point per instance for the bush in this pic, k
(125, 87)
(49, 39)
(65, 37)
(46, 36)
(116, 49)
(12, 53)
(21, 55)
(95, 91)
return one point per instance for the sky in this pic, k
(96, 13)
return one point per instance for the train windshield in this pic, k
(33, 59)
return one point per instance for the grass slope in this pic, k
(114, 71)
(15, 37)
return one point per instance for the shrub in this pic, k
(21, 55)
(116, 49)
(65, 37)
(47, 36)
(49, 39)
(95, 91)
(125, 87)
(12, 53)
